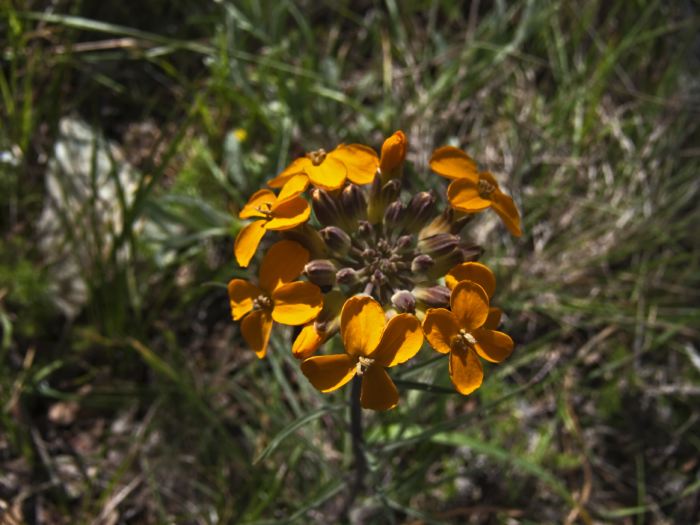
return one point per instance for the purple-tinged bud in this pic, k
(347, 277)
(364, 229)
(420, 210)
(394, 216)
(440, 224)
(325, 207)
(380, 196)
(336, 239)
(321, 272)
(404, 243)
(440, 244)
(444, 263)
(433, 297)
(309, 238)
(404, 302)
(472, 252)
(422, 263)
(354, 202)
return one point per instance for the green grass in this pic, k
(147, 407)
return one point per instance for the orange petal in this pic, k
(440, 326)
(453, 163)
(289, 213)
(256, 328)
(466, 371)
(492, 345)
(504, 206)
(295, 185)
(393, 152)
(360, 161)
(297, 166)
(329, 372)
(472, 271)
(307, 342)
(401, 340)
(283, 263)
(329, 175)
(463, 195)
(362, 322)
(247, 242)
(241, 294)
(378, 390)
(494, 318)
(296, 303)
(470, 305)
(263, 199)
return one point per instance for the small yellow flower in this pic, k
(371, 345)
(472, 191)
(328, 171)
(393, 156)
(276, 298)
(273, 213)
(466, 333)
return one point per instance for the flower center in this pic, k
(462, 340)
(485, 189)
(265, 209)
(317, 156)
(262, 302)
(362, 364)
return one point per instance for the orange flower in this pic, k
(481, 275)
(273, 213)
(276, 298)
(465, 334)
(371, 345)
(393, 156)
(328, 170)
(472, 191)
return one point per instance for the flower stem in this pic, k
(358, 447)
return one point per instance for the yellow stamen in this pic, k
(485, 188)
(362, 364)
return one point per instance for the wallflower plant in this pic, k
(382, 267)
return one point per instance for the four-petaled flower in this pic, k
(328, 171)
(276, 297)
(371, 344)
(472, 191)
(465, 333)
(273, 213)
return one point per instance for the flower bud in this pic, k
(433, 297)
(309, 238)
(394, 216)
(353, 203)
(404, 243)
(321, 272)
(421, 263)
(444, 263)
(440, 224)
(336, 239)
(420, 210)
(380, 195)
(364, 229)
(325, 207)
(404, 302)
(440, 244)
(393, 156)
(347, 277)
(472, 252)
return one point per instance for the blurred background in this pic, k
(131, 134)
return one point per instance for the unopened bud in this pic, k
(380, 195)
(394, 216)
(393, 156)
(433, 297)
(440, 244)
(309, 238)
(421, 263)
(321, 272)
(472, 252)
(325, 207)
(440, 224)
(404, 243)
(404, 301)
(420, 210)
(347, 276)
(364, 229)
(354, 203)
(336, 239)
(445, 262)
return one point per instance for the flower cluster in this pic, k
(382, 267)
